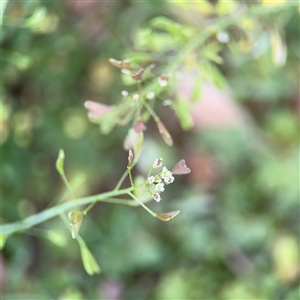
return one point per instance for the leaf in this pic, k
(21, 61)
(197, 88)
(183, 111)
(60, 162)
(210, 52)
(212, 74)
(89, 262)
(167, 24)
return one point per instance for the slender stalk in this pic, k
(152, 213)
(52, 212)
(151, 112)
(110, 200)
(121, 181)
(68, 186)
(130, 176)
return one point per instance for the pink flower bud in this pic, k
(138, 76)
(156, 197)
(134, 140)
(96, 110)
(139, 126)
(180, 168)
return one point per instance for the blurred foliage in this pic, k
(237, 236)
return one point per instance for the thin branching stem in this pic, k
(152, 213)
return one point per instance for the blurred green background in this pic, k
(237, 236)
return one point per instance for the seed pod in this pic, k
(181, 168)
(168, 216)
(164, 133)
(124, 64)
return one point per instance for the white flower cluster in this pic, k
(159, 181)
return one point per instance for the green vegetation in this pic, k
(213, 82)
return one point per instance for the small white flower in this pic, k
(166, 173)
(136, 97)
(157, 179)
(223, 37)
(159, 187)
(156, 197)
(151, 179)
(124, 93)
(150, 95)
(169, 180)
(162, 82)
(157, 163)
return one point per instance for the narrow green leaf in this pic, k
(183, 111)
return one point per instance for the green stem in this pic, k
(152, 213)
(151, 112)
(121, 181)
(68, 186)
(52, 212)
(110, 200)
(130, 176)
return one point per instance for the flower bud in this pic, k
(134, 140)
(60, 162)
(164, 133)
(130, 158)
(163, 80)
(156, 197)
(138, 76)
(124, 93)
(96, 110)
(139, 126)
(136, 97)
(157, 163)
(150, 95)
